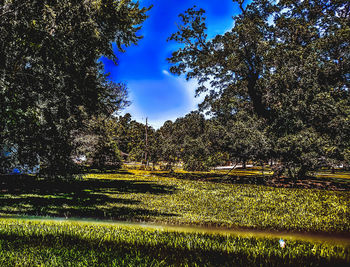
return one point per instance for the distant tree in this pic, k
(194, 152)
(168, 143)
(240, 137)
(154, 149)
(122, 132)
(285, 62)
(50, 77)
(185, 141)
(137, 145)
(246, 140)
(131, 139)
(97, 143)
(215, 138)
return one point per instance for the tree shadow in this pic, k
(250, 177)
(105, 171)
(216, 177)
(91, 198)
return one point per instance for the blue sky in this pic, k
(153, 91)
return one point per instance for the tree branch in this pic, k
(10, 11)
(240, 3)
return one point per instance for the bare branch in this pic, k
(240, 3)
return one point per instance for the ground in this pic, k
(245, 199)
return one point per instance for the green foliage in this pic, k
(169, 144)
(305, 150)
(205, 143)
(137, 144)
(107, 155)
(131, 139)
(96, 142)
(123, 133)
(286, 65)
(186, 141)
(50, 77)
(192, 163)
(63, 243)
(189, 135)
(241, 136)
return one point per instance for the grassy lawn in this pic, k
(29, 243)
(242, 200)
(145, 196)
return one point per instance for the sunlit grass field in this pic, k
(181, 198)
(149, 196)
(29, 243)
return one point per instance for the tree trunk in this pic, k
(302, 172)
(333, 170)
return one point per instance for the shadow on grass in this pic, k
(91, 198)
(106, 171)
(247, 177)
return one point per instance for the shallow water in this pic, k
(332, 238)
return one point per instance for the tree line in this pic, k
(276, 87)
(196, 143)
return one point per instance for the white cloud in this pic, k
(190, 89)
(190, 102)
(165, 72)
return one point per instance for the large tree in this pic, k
(50, 76)
(286, 62)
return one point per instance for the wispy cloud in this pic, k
(165, 72)
(156, 110)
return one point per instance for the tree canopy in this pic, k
(286, 62)
(50, 76)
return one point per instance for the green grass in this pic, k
(30, 243)
(152, 197)
(142, 196)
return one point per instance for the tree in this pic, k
(193, 150)
(106, 154)
(287, 63)
(186, 140)
(50, 77)
(131, 139)
(137, 146)
(123, 133)
(239, 137)
(97, 143)
(154, 150)
(167, 143)
(246, 139)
